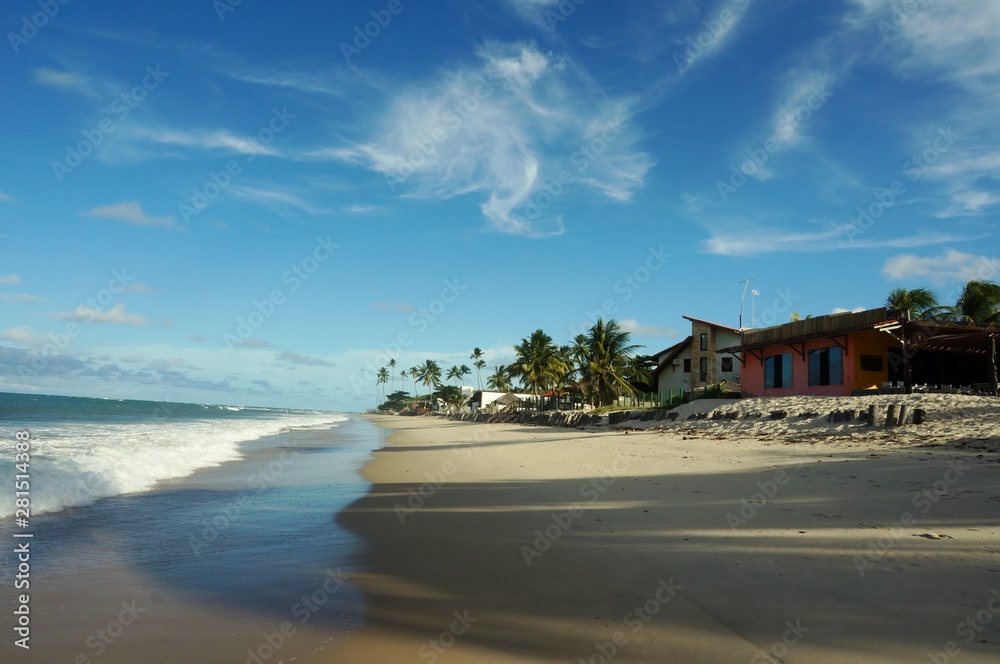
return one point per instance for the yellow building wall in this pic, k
(871, 343)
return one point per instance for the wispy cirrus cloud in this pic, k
(750, 240)
(19, 297)
(6, 198)
(502, 128)
(116, 315)
(953, 46)
(9, 279)
(273, 198)
(67, 81)
(130, 212)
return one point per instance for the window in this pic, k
(826, 366)
(703, 370)
(778, 371)
(871, 363)
(704, 340)
(727, 365)
(687, 365)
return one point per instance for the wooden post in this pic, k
(871, 416)
(993, 364)
(890, 417)
(904, 410)
(907, 369)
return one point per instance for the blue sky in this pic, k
(259, 203)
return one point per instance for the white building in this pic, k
(694, 363)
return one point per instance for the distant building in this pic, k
(847, 353)
(697, 361)
(483, 398)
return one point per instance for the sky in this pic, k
(260, 203)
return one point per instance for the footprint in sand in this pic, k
(933, 536)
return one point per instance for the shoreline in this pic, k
(238, 558)
(757, 548)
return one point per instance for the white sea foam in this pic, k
(76, 464)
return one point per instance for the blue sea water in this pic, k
(86, 449)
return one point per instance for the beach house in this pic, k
(856, 352)
(697, 361)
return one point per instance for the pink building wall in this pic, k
(753, 371)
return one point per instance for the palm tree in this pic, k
(430, 374)
(463, 371)
(920, 302)
(455, 373)
(415, 374)
(382, 378)
(979, 302)
(499, 381)
(392, 373)
(479, 363)
(608, 363)
(538, 364)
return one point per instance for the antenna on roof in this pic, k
(746, 283)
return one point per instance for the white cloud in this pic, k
(116, 315)
(747, 240)
(138, 287)
(130, 212)
(503, 129)
(950, 267)
(841, 310)
(19, 297)
(22, 335)
(954, 46)
(222, 140)
(67, 81)
(8, 279)
(632, 326)
(307, 360)
(272, 198)
(6, 198)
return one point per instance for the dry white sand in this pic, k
(651, 548)
(958, 420)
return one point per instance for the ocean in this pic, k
(216, 525)
(87, 449)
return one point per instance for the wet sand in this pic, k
(234, 562)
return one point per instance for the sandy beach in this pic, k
(506, 543)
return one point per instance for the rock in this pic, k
(778, 414)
